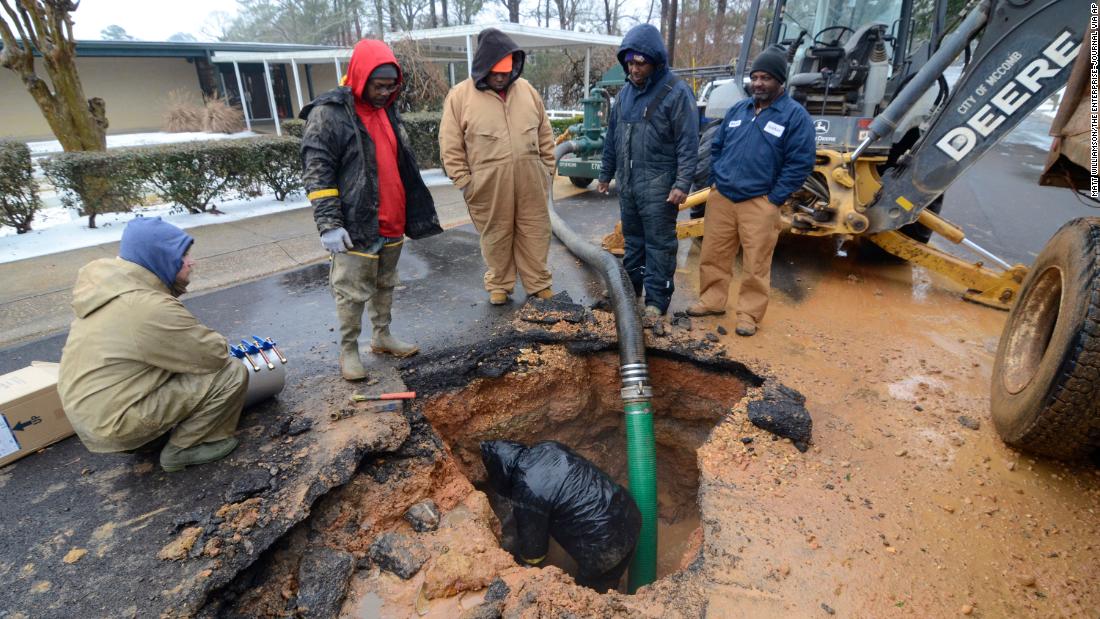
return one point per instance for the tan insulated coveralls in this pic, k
(500, 153)
(137, 364)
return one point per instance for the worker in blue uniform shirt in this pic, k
(762, 154)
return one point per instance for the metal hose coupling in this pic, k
(635, 382)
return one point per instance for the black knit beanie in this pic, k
(772, 61)
(386, 71)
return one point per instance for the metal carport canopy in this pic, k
(456, 38)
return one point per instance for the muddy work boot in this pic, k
(498, 297)
(545, 294)
(351, 317)
(746, 326)
(380, 305)
(173, 459)
(383, 342)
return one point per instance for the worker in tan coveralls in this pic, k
(496, 145)
(138, 364)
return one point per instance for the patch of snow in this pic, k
(56, 228)
(50, 147)
(59, 231)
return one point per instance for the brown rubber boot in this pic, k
(351, 319)
(381, 305)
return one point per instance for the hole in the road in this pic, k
(574, 399)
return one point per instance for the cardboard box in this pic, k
(30, 411)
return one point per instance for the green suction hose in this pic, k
(636, 392)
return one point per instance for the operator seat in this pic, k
(838, 70)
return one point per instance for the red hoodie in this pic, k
(367, 57)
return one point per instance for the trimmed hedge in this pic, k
(274, 163)
(422, 132)
(293, 127)
(561, 124)
(190, 175)
(96, 182)
(18, 194)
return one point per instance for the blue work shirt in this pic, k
(769, 154)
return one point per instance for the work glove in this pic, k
(336, 241)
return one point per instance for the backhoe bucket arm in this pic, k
(1024, 55)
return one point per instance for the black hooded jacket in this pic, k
(340, 172)
(492, 45)
(555, 491)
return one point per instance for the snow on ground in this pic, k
(50, 147)
(56, 228)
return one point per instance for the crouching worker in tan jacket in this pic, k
(138, 365)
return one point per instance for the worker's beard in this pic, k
(179, 287)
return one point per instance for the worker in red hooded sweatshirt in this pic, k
(367, 194)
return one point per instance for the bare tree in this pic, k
(611, 11)
(465, 10)
(513, 10)
(673, 5)
(434, 19)
(380, 14)
(719, 21)
(567, 13)
(46, 27)
(394, 16)
(443, 7)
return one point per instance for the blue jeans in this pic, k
(649, 229)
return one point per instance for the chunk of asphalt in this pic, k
(323, 577)
(498, 590)
(423, 516)
(785, 418)
(299, 425)
(398, 554)
(553, 310)
(248, 485)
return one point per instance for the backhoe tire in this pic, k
(577, 181)
(1045, 392)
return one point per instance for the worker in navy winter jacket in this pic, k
(761, 155)
(651, 147)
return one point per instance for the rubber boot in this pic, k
(174, 459)
(381, 304)
(351, 323)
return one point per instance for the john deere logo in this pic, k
(821, 126)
